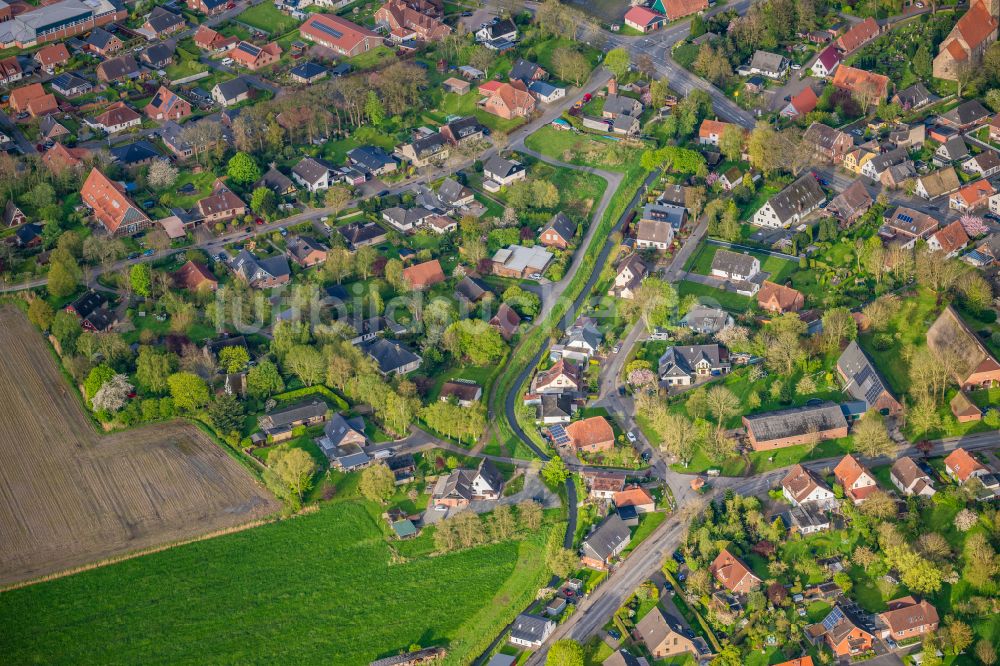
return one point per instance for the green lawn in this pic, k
(267, 18)
(701, 262)
(202, 182)
(467, 105)
(706, 294)
(908, 327)
(647, 523)
(184, 68)
(320, 587)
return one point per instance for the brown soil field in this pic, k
(70, 496)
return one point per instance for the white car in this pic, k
(796, 65)
(631, 436)
(535, 276)
(227, 61)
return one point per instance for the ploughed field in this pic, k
(70, 496)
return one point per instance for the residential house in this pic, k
(339, 35)
(117, 117)
(110, 206)
(231, 92)
(791, 205)
(261, 273)
(852, 203)
(563, 377)
(899, 175)
(423, 276)
(710, 131)
(908, 618)
(620, 657)
(157, 56)
(12, 215)
(643, 19)
(619, 105)
(779, 298)
(167, 105)
(684, 365)
(654, 234)
(497, 33)
(985, 255)
(52, 56)
(70, 85)
(605, 543)
(555, 408)
(308, 73)
(306, 251)
(135, 154)
(162, 22)
(961, 466)
(856, 480)
(406, 219)
(508, 100)
(907, 476)
(855, 160)
(425, 149)
(603, 485)
(952, 150)
(255, 57)
(279, 425)
(463, 392)
(842, 631)
(580, 342)
(91, 309)
(871, 86)
(221, 205)
(32, 99)
(527, 71)
(911, 137)
(194, 276)
(907, 225)
(804, 486)
(971, 197)
(10, 71)
(629, 274)
(635, 496)
(313, 174)
(675, 9)
(208, 7)
(391, 357)
(984, 165)
(558, 232)
(801, 104)
(995, 128)
(771, 65)
(471, 290)
(914, 97)
(706, 320)
(517, 261)
(59, 157)
(51, 129)
(277, 182)
(103, 43)
(964, 409)
(937, 184)
(453, 194)
(965, 116)
(372, 160)
(877, 166)
(863, 381)
(809, 424)
(404, 23)
(858, 35)
(463, 486)
(673, 215)
(209, 40)
(28, 235)
(503, 172)
(826, 62)
(730, 572)
(118, 69)
(530, 631)
(808, 519)
(545, 92)
(961, 350)
(664, 637)
(949, 240)
(735, 266)
(506, 321)
(591, 435)
(463, 130)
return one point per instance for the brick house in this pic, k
(908, 618)
(591, 435)
(959, 348)
(167, 105)
(733, 574)
(111, 207)
(779, 298)
(856, 480)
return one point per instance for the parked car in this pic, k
(631, 436)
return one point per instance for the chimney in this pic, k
(613, 86)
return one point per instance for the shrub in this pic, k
(882, 342)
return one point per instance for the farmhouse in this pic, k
(110, 205)
(683, 366)
(508, 100)
(675, 9)
(339, 35)
(959, 349)
(800, 425)
(792, 204)
(803, 486)
(605, 543)
(856, 480)
(732, 574)
(907, 476)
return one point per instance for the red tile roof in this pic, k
(779, 298)
(858, 35)
(53, 54)
(632, 496)
(961, 463)
(952, 237)
(730, 571)
(590, 432)
(805, 102)
(330, 29)
(975, 25)
(194, 276)
(675, 9)
(852, 79)
(642, 16)
(424, 275)
(108, 201)
(974, 193)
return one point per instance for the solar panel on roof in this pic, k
(833, 619)
(248, 48)
(865, 375)
(905, 218)
(327, 29)
(872, 393)
(558, 434)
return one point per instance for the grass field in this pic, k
(266, 17)
(701, 262)
(318, 588)
(711, 296)
(71, 497)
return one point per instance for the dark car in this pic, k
(149, 253)
(678, 557)
(133, 255)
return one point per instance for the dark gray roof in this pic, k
(954, 148)
(388, 354)
(116, 68)
(674, 215)
(285, 416)
(499, 28)
(863, 380)
(610, 536)
(451, 191)
(823, 136)
(134, 153)
(99, 38)
(733, 263)
(308, 70)
(338, 428)
(275, 180)
(300, 246)
(157, 53)
(233, 88)
(68, 81)
(562, 225)
(622, 657)
(556, 404)
(796, 421)
(253, 269)
(523, 70)
(490, 474)
(470, 289)
(966, 113)
(680, 361)
(802, 195)
(357, 234)
(161, 19)
(502, 167)
(767, 62)
(311, 169)
(915, 96)
(429, 145)
(464, 127)
(531, 628)
(371, 158)
(622, 105)
(407, 216)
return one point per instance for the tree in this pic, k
(377, 483)
(959, 636)
(295, 467)
(965, 520)
(162, 174)
(336, 197)
(562, 561)
(879, 505)
(985, 652)
(394, 275)
(765, 149)
(306, 363)
(570, 65)
(374, 109)
(113, 395)
(263, 201)
(566, 652)
(152, 369)
(226, 413)
(555, 471)
(364, 261)
(264, 380)
(679, 436)
(64, 274)
(141, 278)
(98, 377)
(617, 61)
(659, 91)
(871, 438)
(188, 390)
(731, 142)
(529, 515)
(838, 326)
(525, 302)
(40, 313)
(242, 169)
(723, 403)
(233, 359)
